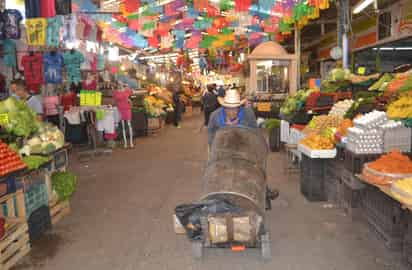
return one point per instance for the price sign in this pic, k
(361, 70)
(4, 119)
(98, 99)
(82, 98)
(264, 106)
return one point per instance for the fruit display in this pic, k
(10, 161)
(64, 183)
(154, 106)
(294, 102)
(342, 130)
(48, 139)
(321, 123)
(402, 190)
(338, 75)
(388, 169)
(382, 83)
(360, 79)
(317, 142)
(34, 161)
(340, 108)
(400, 108)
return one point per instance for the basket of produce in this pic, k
(317, 146)
(402, 190)
(401, 108)
(340, 108)
(387, 169)
(323, 123)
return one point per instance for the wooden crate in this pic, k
(58, 210)
(15, 243)
(12, 205)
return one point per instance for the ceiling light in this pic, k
(359, 7)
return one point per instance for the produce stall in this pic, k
(354, 136)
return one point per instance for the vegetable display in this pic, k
(401, 108)
(317, 142)
(10, 161)
(64, 183)
(294, 102)
(22, 121)
(322, 122)
(393, 162)
(340, 108)
(34, 162)
(154, 106)
(382, 83)
(48, 139)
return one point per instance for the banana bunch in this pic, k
(401, 108)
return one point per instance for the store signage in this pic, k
(4, 119)
(361, 70)
(264, 106)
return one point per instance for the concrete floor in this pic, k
(122, 217)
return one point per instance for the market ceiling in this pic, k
(167, 25)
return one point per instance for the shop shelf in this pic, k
(35, 198)
(385, 217)
(312, 183)
(354, 162)
(351, 180)
(39, 222)
(15, 243)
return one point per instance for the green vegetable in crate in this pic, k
(294, 102)
(339, 75)
(384, 80)
(34, 162)
(64, 183)
(272, 123)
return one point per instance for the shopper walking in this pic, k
(210, 104)
(178, 107)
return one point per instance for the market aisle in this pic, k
(122, 210)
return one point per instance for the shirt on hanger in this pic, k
(72, 61)
(63, 7)
(32, 8)
(79, 29)
(36, 31)
(53, 64)
(53, 31)
(9, 53)
(11, 18)
(47, 8)
(69, 27)
(100, 62)
(33, 68)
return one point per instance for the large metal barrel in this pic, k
(236, 169)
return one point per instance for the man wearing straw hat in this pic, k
(232, 113)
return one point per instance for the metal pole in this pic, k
(298, 54)
(343, 29)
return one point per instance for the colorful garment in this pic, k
(9, 53)
(63, 7)
(36, 31)
(100, 62)
(69, 27)
(53, 65)
(11, 19)
(32, 8)
(123, 103)
(53, 31)
(33, 69)
(47, 8)
(72, 61)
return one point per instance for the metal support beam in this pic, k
(298, 55)
(343, 30)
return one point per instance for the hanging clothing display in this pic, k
(123, 103)
(53, 31)
(33, 70)
(69, 27)
(72, 61)
(9, 53)
(53, 64)
(89, 85)
(47, 8)
(63, 7)
(32, 8)
(36, 31)
(11, 19)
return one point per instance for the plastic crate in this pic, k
(312, 184)
(397, 139)
(354, 162)
(332, 172)
(60, 159)
(39, 222)
(351, 200)
(7, 185)
(407, 240)
(35, 198)
(351, 180)
(385, 217)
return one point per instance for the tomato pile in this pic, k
(10, 161)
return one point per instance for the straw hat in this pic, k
(232, 99)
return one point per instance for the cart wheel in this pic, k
(265, 247)
(197, 249)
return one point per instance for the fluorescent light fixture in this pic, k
(393, 49)
(362, 5)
